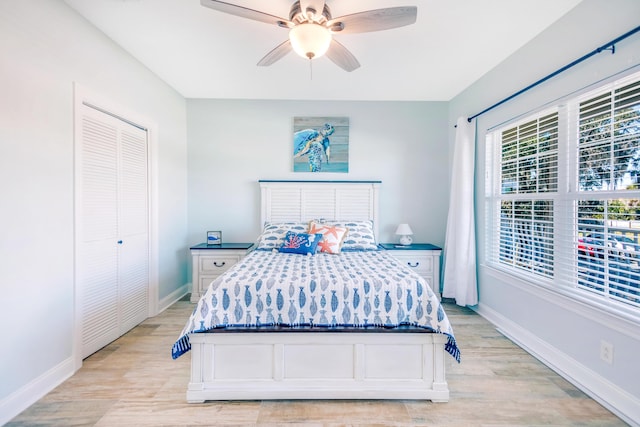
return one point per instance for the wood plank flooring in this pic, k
(134, 382)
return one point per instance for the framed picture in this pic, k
(214, 237)
(321, 144)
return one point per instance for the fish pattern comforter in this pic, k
(361, 289)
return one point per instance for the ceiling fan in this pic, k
(311, 27)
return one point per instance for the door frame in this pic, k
(83, 98)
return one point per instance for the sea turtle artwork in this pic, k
(315, 144)
(320, 144)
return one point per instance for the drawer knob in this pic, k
(413, 265)
(219, 265)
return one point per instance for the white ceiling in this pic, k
(203, 53)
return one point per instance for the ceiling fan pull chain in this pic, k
(310, 69)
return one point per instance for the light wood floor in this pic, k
(134, 382)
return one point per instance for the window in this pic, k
(528, 176)
(563, 196)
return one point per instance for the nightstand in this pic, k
(423, 258)
(210, 261)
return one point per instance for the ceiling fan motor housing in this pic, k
(297, 15)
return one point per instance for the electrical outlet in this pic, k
(606, 352)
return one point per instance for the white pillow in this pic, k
(273, 234)
(360, 237)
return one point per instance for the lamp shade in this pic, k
(310, 40)
(404, 230)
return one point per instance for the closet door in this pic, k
(133, 229)
(112, 245)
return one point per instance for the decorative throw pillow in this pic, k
(361, 236)
(332, 236)
(300, 243)
(273, 234)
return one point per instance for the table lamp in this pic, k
(404, 231)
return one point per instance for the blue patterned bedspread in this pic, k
(354, 289)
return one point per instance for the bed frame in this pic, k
(407, 363)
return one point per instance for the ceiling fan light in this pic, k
(310, 40)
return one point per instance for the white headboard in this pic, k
(288, 201)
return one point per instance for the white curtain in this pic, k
(460, 244)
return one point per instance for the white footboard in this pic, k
(317, 365)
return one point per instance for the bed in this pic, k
(290, 321)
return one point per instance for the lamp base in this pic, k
(405, 240)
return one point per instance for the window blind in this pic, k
(563, 196)
(528, 173)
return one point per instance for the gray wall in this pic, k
(233, 144)
(44, 48)
(560, 330)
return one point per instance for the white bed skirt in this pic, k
(317, 365)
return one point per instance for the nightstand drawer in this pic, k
(422, 265)
(210, 261)
(205, 281)
(217, 264)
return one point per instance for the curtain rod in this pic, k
(607, 46)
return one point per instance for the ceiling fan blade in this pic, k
(317, 6)
(374, 20)
(244, 12)
(341, 56)
(276, 54)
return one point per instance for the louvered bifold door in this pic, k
(112, 246)
(132, 228)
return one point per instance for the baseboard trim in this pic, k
(173, 297)
(16, 402)
(618, 401)
(30, 393)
